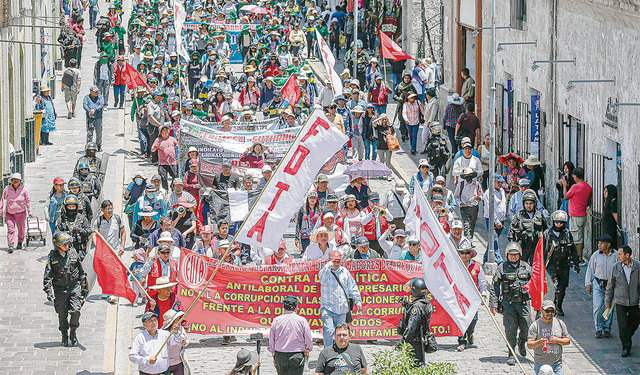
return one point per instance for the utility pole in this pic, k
(490, 265)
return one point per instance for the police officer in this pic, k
(65, 283)
(560, 254)
(527, 225)
(75, 223)
(415, 326)
(84, 202)
(509, 292)
(90, 158)
(89, 182)
(437, 148)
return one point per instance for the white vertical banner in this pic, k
(180, 17)
(444, 273)
(329, 61)
(317, 141)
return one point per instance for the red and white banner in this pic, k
(390, 50)
(444, 273)
(318, 141)
(329, 61)
(291, 90)
(181, 15)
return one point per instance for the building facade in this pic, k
(538, 111)
(27, 60)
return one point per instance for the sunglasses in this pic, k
(413, 244)
(550, 311)
(465, 252)
(375, 200)
(165, 252)
(423, 166)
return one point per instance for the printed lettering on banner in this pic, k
(318, 141)
(444, 273)
(245, 300)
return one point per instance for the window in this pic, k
(518, 14)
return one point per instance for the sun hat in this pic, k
(320, 230)
(163, 282)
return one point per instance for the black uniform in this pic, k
(508, 289)
(95, 165)
(560, 254)
(438, 150)
(65, 283)
(415, 328)
(78, 226)
(525, 229)
(84, 205)
(90, 186)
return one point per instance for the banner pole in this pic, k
(234, 238)
(486, 305)
(124, 265)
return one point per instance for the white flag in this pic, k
(238, 204)
(329, 61)
(180, 16)
(317, 141)
(444, 273)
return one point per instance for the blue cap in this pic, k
(524, 181)
(498, 177)
(362, 241)
(340, 97)
(370, 105)
(227, 164)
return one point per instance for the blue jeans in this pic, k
(496, 247)
(598, 308)
(413, 135)
(451, 132)
(557, 369)
(370, 146)
(304, 243)
(93, 14)
(329, 323)
(145, 146)
(118, 95)
(380, 109)
(397, 78)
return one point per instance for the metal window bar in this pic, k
(596, 180)
(521, 130)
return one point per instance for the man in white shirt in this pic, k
(395, 248)
(467, 160)
(457, 238)
(320, 247)
(147, 344)
(500, 210)
(467, 196)
(397, 203)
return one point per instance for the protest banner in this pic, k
(244, 300)
(316, 143)
(444, 273)
(233, 30)
(267, 124)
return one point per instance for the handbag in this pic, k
(392, 142)
(349, 318)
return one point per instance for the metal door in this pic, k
(596, 180)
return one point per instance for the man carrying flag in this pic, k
(510, 298)
(537, 285)
(291, 90)
(390, 50)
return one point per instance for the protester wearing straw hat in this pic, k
(247, 363)
(173, 323)
(164, 299)
(535, 173)
(320, 246)
(383, 128)
(15, 205)
(146, 345)
(159, 265)
(452, 111)
(467, 253)
(44, 103)
(514, 172)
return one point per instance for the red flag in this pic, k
(390, 50)
(291, 90)
(111, 272)
(133, 79)
(537, 286)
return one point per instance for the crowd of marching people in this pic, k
(177, 208)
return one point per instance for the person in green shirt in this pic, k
(322, 29)
(413, 253)
(120, 32)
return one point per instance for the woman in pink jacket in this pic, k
(15, 205)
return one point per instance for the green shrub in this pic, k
(400, 362)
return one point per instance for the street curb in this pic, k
(109, 361)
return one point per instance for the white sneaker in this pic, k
(112, 299)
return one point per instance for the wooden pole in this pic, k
(124, 265)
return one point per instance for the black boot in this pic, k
(522, 349)
(65, 340)
(73, 339)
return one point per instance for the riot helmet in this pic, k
(435, 127)
(418, 287)
(61, 238)
(70, 200)
(559, 217)
(74, 183)
(529, 195)
(513, 248)
(82, 167)
(90, 149)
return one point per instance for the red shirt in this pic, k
(579, 196)
(163, 307)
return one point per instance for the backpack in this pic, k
(68, 78)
